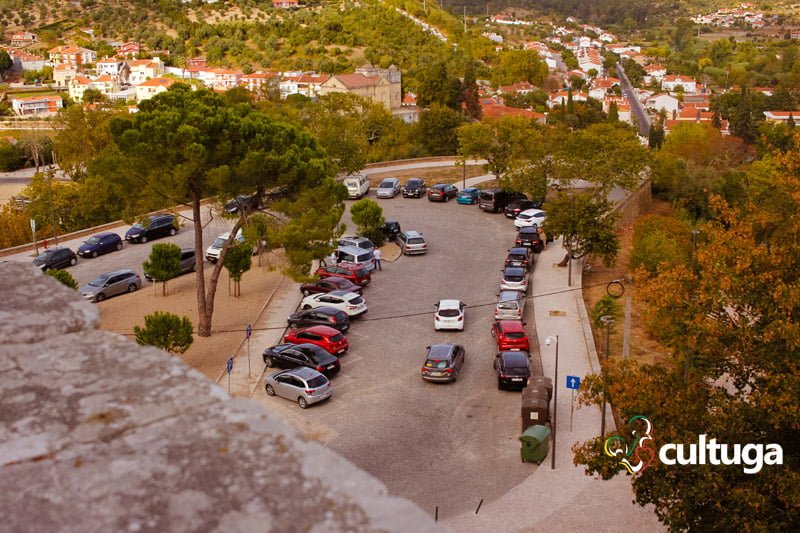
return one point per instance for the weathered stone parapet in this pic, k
(100, 434)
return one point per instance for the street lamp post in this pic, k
(607, 320)
(548, 341)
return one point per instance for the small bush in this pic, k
(64, 277)
(660, 241)
(167, 331)
(606, 306)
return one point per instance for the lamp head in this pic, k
(550, 340)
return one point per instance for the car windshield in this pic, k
(99, 281)
(386, 184)
(515, 334)
(219, 242)
(138, 225)
(513, 277)
(318, 381)
(516, 257)
(507, 305)
(449, 312)
(92, 240)
(361, 272)
(436, 363)
(524, 216)
(319, 357)
(413, 184)
(532, 231)
(416, 240)
(336, 338)
(487, 196)
(46, 255)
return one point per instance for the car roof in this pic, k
(412, 233)
(532, 211)
(529, 229)
(439, 185)
(356, 238)
(157, 217)
(510, 295)
(449, 304)
(514, 270)
(516, 357)
(336, 280)
(121, 271)
(355, 250)
(441, 350)
(511, 325)
(326, 310)
(320, 329)
(105, 234)
(343, 293)
(393, 180)
(301, 371)
(415, 180)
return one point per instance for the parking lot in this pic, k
(445, 445)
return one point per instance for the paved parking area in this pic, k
(445, 445)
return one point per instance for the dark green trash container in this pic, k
(535, 443)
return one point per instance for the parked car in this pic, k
(319, 316)
(495, 200)
(443, 362)
(154, 227)
(332, 283)
(357, 186)
(530, 217)
(353, 273)
(349, 302)
(356, 241)
(513, 369)
(468, 196)
(442, 192)
(449, 314)
(388, 188)
(511, 335)
(391, 228)
(55, 258)
(415, 188)
(519, 257)
(323, 336)
(111, 284)
(215, 249)
(411, 243)
(188, 263)
(99, 244)
(356, 256)
(530, 237)
(303, 385)
(518, 206)
(243, 201)
(510, 305)
(296, 355)
(514, 279)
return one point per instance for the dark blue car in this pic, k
(468, 196)
(100, 244)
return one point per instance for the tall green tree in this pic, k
(185, 145)
(5, 62)
(437, 86)
(368, 218)
(437, 130)
(163, 264)
(167, 331)
(586, 225)
(469, 93)
(238, 260)
(742, 121)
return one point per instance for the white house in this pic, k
(110, 66)
(150, 88)
(663, 101)
(670, 82)
(142, 70)
(654, 73)
(37, 105)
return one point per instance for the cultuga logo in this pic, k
(641, 453)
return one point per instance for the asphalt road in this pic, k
(642, 119)
(445, 445)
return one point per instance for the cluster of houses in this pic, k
(743, 15)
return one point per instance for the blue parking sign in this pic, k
(573, 382)
(229, 365)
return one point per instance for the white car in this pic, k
(349, 302)
(449, 315)
(529, 217)
(213, 252)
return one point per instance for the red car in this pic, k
(332, 283)
(511, 335)
(323, 336)
(354, 273)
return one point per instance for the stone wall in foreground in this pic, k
(100, 434)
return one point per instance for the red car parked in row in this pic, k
(323, 336)
(333, 283)
(354, 273)
(511, 335)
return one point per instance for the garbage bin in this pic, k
(542, 381)
(534, 411)
(536, 391)
(535, 443)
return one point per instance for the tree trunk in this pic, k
(203, 312)
(206, 308)
(163, 288)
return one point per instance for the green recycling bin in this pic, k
(535, 443)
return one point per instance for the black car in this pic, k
(495, 200)
(294, 355)
(391, 229)
(55, 258)
(519, 257)
(154, 227)
(443, 363)
(442, 192)
(332, 283)
(415, 188)
(325, 316)
(101, 243)
(243, 201)
(513, 369)
(530, 237)
(518, 206)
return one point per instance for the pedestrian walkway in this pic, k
(563, 499)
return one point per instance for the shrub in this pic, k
(660, 240)
(606, 306)
(64, 277)
(167, 331)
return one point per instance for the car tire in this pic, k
(302, 403)
(499, 385)
(268, 362)
(132, 287)
(270, 390)
(172, 232)
(100, 297)
(143, 239)
(73, 261)
(455, 376)
(306, 307)
(119, 246)
(94, 254)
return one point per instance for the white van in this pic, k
(357, 186)
(510, 306)
(357, 256)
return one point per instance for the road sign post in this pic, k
(33, 232)
(228, 369)
(573, 384)
(248, 331)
